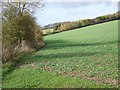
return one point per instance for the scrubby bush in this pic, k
(101, 19)
(39, 43)
(56, 27)
(81, 22)
(20, 33)
(86, 22)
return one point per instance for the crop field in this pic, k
(81, 58)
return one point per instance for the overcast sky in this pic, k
(70, 11)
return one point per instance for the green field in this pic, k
(85, 57)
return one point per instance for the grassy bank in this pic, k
(85, 57)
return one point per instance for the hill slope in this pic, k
(77, 58)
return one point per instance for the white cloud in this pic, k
(58, 12)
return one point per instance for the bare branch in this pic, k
(24, 6)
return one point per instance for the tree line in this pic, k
(63, 26)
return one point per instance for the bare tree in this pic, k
(22, 6)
